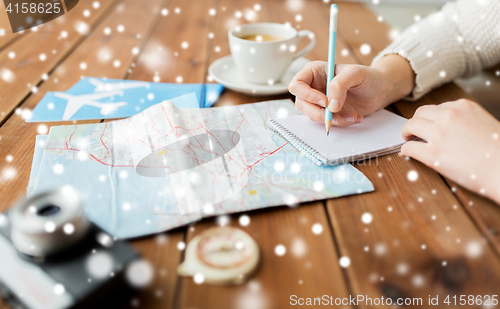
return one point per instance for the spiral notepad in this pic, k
(379, 134)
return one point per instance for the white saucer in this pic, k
(224, 72)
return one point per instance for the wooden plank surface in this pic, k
(421, 241)
(6, 35)
(483, 211)
(164, 57)
(416, 225)
(18, 137)
(355, 20)
(359, 27)
(309, 268)
(30, 64)
(309, 274)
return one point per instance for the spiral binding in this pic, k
(302, 146)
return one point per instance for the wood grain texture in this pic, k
(163, 56)
(417, 226)
(309, 267)
(483, 211)
(406, 215)
(6, 35)
(358, 25)
(18, 137)
(30, 63)
(138, 19)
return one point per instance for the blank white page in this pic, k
(379, 133)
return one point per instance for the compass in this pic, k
(222, 255)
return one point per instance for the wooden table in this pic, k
(428, 237)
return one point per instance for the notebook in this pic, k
(379, 134)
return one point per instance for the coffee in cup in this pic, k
(261, 37)
(262, 52)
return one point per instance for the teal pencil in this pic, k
(331, 61)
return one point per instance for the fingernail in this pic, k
(350, 119)
(322, 103)
(335, 121)
(359, 118)
(334, 105)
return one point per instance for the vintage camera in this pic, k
(52, 257)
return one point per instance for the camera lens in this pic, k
(48, 210)
(37, 223)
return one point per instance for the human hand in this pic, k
(463, 144)
(354, 92)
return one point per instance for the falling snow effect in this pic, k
(279, 166)
(6, 75)
(280, 250)
(412, 175)
(139, 273)
(474, 249)
(299, 248)
(99, 265)
(244, 220)
(104, 239)
(199, 278)
(367, 218)
(418, 281)
(317, 228)
(59, 289)
(50, 227)
(380, 249)
(365, 49)
(58, 169)
(402, 268)
(68, 229)
(344, 262)
(223, 220)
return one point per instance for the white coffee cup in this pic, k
(265, 62)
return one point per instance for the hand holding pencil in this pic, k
(353, 91)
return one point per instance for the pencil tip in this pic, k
(327, 133)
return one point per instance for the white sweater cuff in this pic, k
(435, 51)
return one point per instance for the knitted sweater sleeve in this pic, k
(459, 41)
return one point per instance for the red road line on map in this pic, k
(269, 154)
(164, 113)
(103, 131)
(70, 137)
